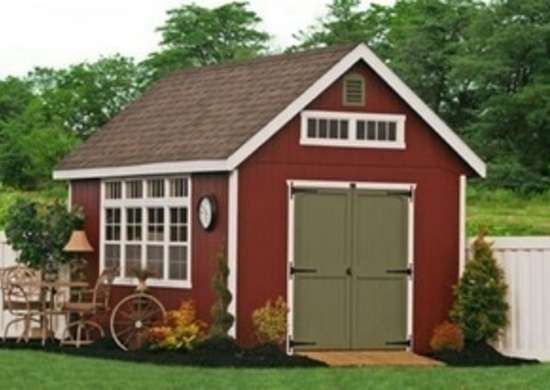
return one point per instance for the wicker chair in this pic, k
(21, 297)
(81, 331)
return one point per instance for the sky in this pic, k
(57, 33)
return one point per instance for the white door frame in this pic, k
(347, 185)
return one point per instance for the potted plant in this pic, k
(142, 274)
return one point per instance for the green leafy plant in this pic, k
(447, 337)
(269, 322)
(39, 232)
(222, 320)
(180, 329)
(480, 307)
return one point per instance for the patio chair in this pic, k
(21, 297)
(80, 332)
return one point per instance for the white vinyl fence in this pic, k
(526, 263)
(7, 259)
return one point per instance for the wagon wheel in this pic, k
(132, 318)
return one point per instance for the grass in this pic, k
(39, 370)
(506, 213)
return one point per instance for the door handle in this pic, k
(348, 271)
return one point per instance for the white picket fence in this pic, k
(526, 263)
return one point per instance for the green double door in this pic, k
(350, 269)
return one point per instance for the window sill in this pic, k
(132, 282)
(353, 144)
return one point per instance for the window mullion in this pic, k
(166, 241)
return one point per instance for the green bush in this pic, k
(222, 320)
(480, 307)
(40, 231)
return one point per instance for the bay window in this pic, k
(145, 224)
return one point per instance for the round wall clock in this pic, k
(207, 210)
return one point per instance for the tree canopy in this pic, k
(483, 66)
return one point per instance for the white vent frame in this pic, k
(352, 141)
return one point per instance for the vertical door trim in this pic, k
(389, 186)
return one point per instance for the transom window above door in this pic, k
(145, 223)
(346, 129)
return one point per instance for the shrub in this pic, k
(40, 231)
(269, 322)
(480, 307)
(179, 330)
(447, 337)
(222, 320)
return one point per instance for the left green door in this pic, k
(321, 258)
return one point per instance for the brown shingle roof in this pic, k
(203, 113)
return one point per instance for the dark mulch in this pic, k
(211, 353)
(480, 354)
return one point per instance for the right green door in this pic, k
(352, 247)
(380, 270)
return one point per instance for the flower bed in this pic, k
(211, 353)
(479, 354)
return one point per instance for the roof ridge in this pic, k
(260, 59)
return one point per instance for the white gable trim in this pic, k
(360, 52)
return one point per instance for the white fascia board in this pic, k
(360, 52)
(143, 169)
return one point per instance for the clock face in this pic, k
(207, 212)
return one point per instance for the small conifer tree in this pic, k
(480, 307)
(222, 320)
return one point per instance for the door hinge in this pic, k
(298, 190)
(298, 270)
(405, 343)
(295, 343)
(402, 271)
(407, 193)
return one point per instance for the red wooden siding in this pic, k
(86, 193)
(427, 161)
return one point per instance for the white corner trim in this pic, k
(232, 245)
(162, 168)
(360, 52)
(462, 224)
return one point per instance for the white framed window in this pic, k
(346, 129)
(145, 223)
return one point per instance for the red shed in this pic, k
(325, 179)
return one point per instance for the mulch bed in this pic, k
(212, 353)
(480, 354)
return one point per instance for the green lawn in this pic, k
(39, 370)
(506, 213)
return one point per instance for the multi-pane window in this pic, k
(329, 128)
(145, 225)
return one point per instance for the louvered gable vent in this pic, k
(354, 90)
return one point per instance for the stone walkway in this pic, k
(371, 358)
